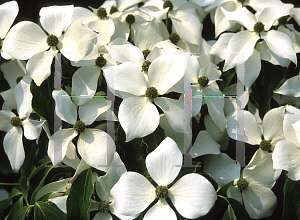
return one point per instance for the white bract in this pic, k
(27, 40)
(95, 147)
(192, 195)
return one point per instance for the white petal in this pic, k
(89, 111)
(193, 68)
(292, 115)
(263, 173)
(290, 87)
(259, 201)
(122, 30)
(39, 66)
(271, 14)
(252, 68)
(138, 117)
(71, 158)
(84, 83)
(286, 157)
(102, 216)
(270, 56)
(187, 26)
(81, 167)
(121, 51)
(13, 147)
(259, 5)
(193, 195)
(58, 144)
(240, 48)
(83, 14)
(32, 129)
(132, 187)
(12, 70)
(113, 210)
(55, 18)
(96, 148)
(126, 77)
(174, 111)
(8, 13)
(215, 105)
(60, 202)
(252, 133)
(222, 168)
(296, 127)
(24, 40)
(5, 117)
(9, 98)
(280, 44)
(23, 96)
(220, 47)
(197, 99)
(164, 163)
(64, 107)
(124, 4)
(204, 144)
(160, 211)
(105, 183)
(76, 41)
(242, 16)
(165, 71)
(273, 123)
(105, 29)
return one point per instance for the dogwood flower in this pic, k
(27, 40)
(290, 87)
(241, 45)
(96, 147)
(8, 11)
(192, 195)
(138, 115)
(252, 187)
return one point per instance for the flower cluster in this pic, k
(128, 112)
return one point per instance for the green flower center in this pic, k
(19, 79)
(283, 20)
(52, 40)
(259, 27)
(146, 53)
(204, 110)
(174, 38)
(15, 121)
(242, 184)
(168, 4)
(145, 66)
(203, 81)
(265, 145)
(151, 93)
(130, 19)
(79, 126)
(34, 116)
(161, 192)
(103, 206)
(101, 13)
(100, 61)
(113, 9)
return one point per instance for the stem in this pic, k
(9, 184)
(167, 20)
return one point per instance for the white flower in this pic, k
(96, 147)
(8, 11)
(27, 40)
(241, 45)
(252, 187)
(138, 115)
(192, 195)
(290, 87)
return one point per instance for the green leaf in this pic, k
(42, 101)
(18, 205)
(237, 208)
(44, 211)
(226, 77)
(222, 190)
(45, 197)
(78, 201)
(270, 78)
(42, 164)
(4, 204)
(22, 213)
(43, 173)
(291, 193)
(25, 172)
